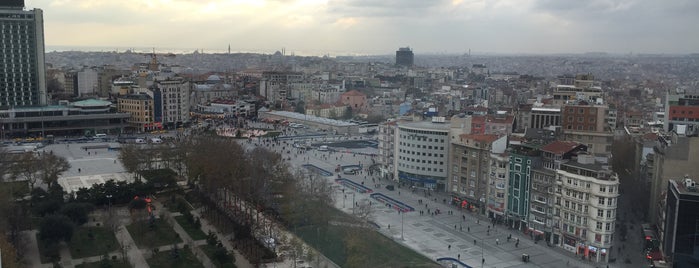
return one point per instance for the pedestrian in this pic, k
(458, 257)
(449, 247)
(497, 241)
(468, 229)
(389, 227)
(78, 170)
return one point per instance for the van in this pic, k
(156, 140)
(140, 141)
(323, 148)
(100, 135)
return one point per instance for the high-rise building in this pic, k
(22, 66)
(681, 239)
(404, 57)
(523, 158)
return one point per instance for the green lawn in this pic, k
(164, 259)
(161, 235)
(47, 253)
(102, 241)
(209, 251)
(114, 264)
(194, 232)
(374, 247)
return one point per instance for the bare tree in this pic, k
(26, 167)
(51, 167)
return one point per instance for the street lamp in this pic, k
(401, 224)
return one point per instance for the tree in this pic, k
(56, 228)
(51, 166)
(130, 157)
(300, 107)
(26, 166)
(77, 212)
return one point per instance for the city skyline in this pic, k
(364, 27)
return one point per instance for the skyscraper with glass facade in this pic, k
(22, 66)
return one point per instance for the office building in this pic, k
(422, 154)
(681, 239)
(22, 66)
(404, 57)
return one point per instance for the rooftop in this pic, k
(560, 147)
(426, 125)
(91, 103)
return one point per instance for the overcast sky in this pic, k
(340, 27)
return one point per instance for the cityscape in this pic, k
(412, 154)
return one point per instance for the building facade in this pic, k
(140, 107)
(171, 102)
(682, 108)
(470, 169)
(681, 239)
(523, 158)
(387, 135)
(422, 154)
(541, 217)
(586, 207)
(22, 64)
(405, 57)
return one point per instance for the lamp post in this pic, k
(401, 224)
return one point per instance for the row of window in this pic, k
(420, 168)
(425, 132)
(416, 160)
(418, 153)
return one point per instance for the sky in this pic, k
(375, 27)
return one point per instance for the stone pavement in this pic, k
(436, 236)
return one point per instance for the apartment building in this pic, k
(387, 134)
(543, 186)
(140, 107)
(586, 207)
(470, 168)
(171, 101)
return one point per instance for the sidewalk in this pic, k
(240, 260)
(203, 258)
(134, 255)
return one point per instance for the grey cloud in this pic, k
(385, 8)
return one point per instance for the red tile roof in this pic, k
(560, 147)
(489, 138)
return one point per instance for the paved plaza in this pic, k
(447, 234)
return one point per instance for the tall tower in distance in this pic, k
(22, 64)
(404, 57)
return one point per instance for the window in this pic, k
(598, 226)
(600, 213)
(608, 226)
(609, 214)
(601, 201)
(603, 189)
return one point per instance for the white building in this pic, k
(586, 207)
(422, 154)
(87, 82)
(174, 101)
